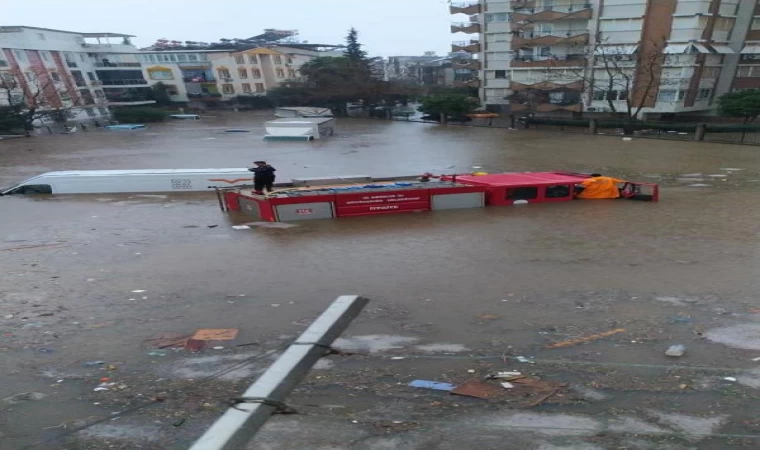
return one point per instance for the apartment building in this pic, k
(564, 57)
(79, 73)
(210, 75)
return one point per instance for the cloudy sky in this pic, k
(386, 27)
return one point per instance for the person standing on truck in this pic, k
(598, 187)
(263, 177)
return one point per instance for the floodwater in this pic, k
(449, 291)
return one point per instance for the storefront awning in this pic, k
(751, 50)
(675, 49)
(722, 49)
(616, 50)
(700, 48)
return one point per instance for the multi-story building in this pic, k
(220, 72)
(79, 73)
(604, 56)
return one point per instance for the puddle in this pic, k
(442, 348)
(548, 424)
(746, 336)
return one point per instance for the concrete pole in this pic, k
(699, 133)
(240, 423)
(592, 126)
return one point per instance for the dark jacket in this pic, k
(263, 173)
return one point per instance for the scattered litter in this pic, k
(730, 168)
(506, 385)
(215, 334)
(104, 387)
(523, 359)
(138, 291)
(111, 367)
(396, 358)
(275, 305)
(435, 385)
(680, 319)
(756, 359)
(502, 375)
(477, 167)
(218, 347)
(23, 397)
(477, 389)
(180, 421)
(236, 130)
(194, 345)
(282, 225)
(241, 227)
(627, 139)
(729, 378)
(720, 175)
(676, 350)
(700, 185)
(167, 340)
(582, 340)
(45, 350)
(8, 316)
(470, 370)
(157, 353)
(211, 226)
(93, 363)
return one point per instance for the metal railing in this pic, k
(118, 64)
(123, 82)
(549, 58)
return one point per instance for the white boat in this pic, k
(303, 128)
(129, 181)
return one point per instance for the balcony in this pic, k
(116, 65)
(466, 82)
(553, 13)
(547, 86)
(470, 7)
(3, 63)
(71, 64)
(547, 107)
(520, 4)
(96, 82)
(126, 82)
(465, 27)
(471, 46)
(549, 61)
(194, 65)
(472, 64)
(542, 39)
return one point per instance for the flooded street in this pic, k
(90, 278)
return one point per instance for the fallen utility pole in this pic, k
(266, 396)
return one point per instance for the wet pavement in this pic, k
(451, 292)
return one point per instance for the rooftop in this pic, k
(17, 28)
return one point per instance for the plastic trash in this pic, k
(435, 385)
(729, 378)
(498, 375)
(676, 350)
(523, 359)
(93, 363)
(506, 385)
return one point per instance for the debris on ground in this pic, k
(489, 317)
(281, 225)
(582, 340)
(499, 375)
(93, 363)
(23, 397)
(157, 353)
(168, 340)
(507, 385)
(675, 350)
(476, 388)
(435, 385)
(194, 345)
(215, 334)
(524, 359)
(241, 227)
(729, 378)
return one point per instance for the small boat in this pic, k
(125, 126)
(185, 116)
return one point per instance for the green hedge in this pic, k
(643, 125)
(138, 115)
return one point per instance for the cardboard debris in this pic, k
(215, 334)
(585, 339)
(477, 389)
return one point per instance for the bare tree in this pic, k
(620, 73)
(27, 103)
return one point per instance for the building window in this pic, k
(20, 56)
(45, 56)
(748, 71)
(82, 57)
(29, 76)
(55, 76)
(497, 17)
(291, 73)
(710, 72)
(91, 76)
(544, 51)
(239, 59)
(704, 94)
(41, 36)
(192, 58)
(160, 74)
(65, 97)
(500, 74)
(667, 95)
(556, 98)
(247, 88)
(259, 87)
(756, 24)
(228, 89)
(681, 95)
(280, 73)
(252, 59)
(290, 60)
(243, 73)
(256, 73)
(277, 59)
(90, 112)
(224, 74)
(599, 95)
(100, 94)
(103, 111)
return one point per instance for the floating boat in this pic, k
(300, 129)
(324, 198)
(185, 116)
(125, 126)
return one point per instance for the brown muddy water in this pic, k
(450, 292)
